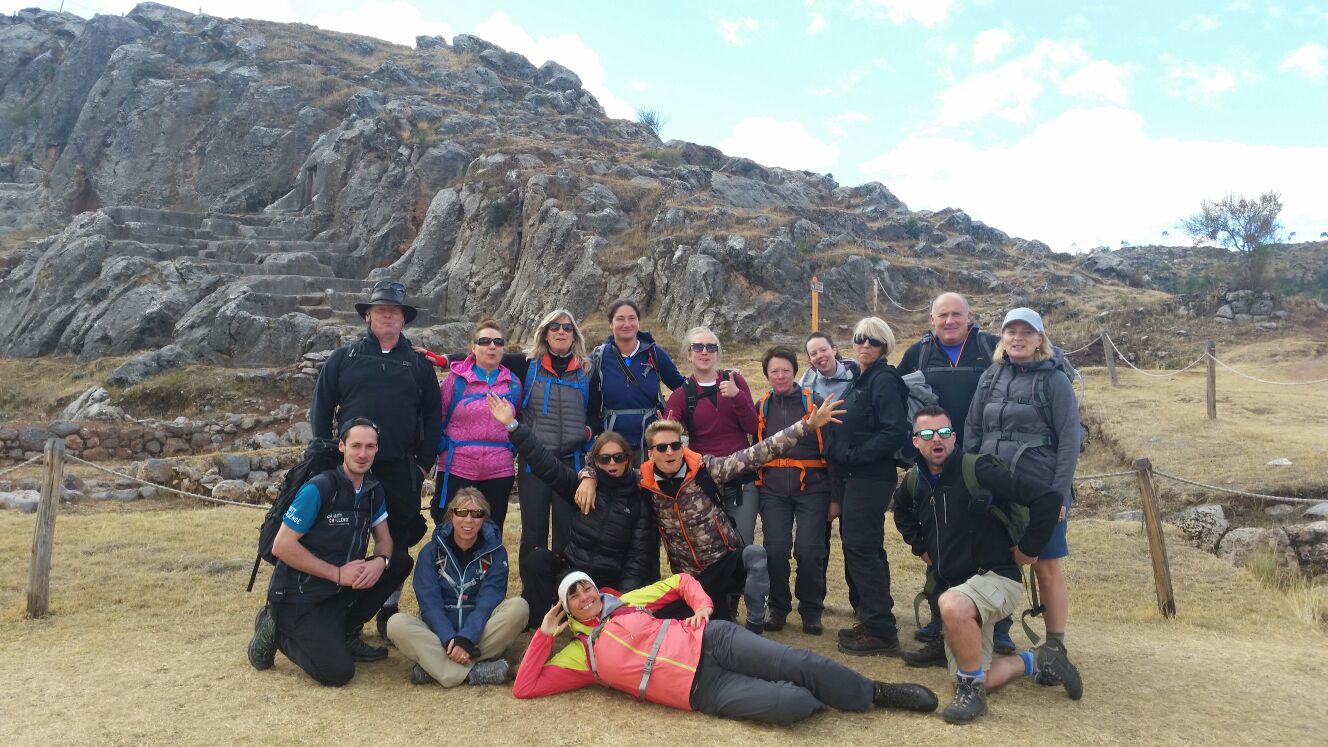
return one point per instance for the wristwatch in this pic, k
(511, 427)
(387, 562)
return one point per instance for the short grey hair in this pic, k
(874, 326)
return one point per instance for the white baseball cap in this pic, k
(1026, 315)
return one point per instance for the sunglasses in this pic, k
(477, 513)
(390, 285)
(564, 326)
(665, 448)
(487, 341)
(618, 458)
(864, 339)
(705, 347)
(926, 434)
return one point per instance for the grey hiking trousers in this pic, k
(744, 676)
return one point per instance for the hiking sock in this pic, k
(1027, 658)
(394, 599)
(1056, 640)
(975, 677)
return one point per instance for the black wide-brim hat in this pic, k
(388, 293)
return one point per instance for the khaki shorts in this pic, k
(996, 597)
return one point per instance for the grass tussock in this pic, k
(1306, 599)
(199, 391)
(39, 388)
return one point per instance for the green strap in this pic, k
(1035, 607)
(928, 589)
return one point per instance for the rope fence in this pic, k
(184, 493)
(21, 465)
(893, 301)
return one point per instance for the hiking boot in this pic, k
(361, 651)
(870, 645)
(776, 621)
(932, 654)
(419, 677)
(970, 701)
(811, 624)
(1002, 643)
(263, 646)
(1054, 668)
(493, 672)
(929, 632)
(904, 696)
(384, 614)
(757, 628)
(853, 632)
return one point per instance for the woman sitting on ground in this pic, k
(616, 540)
(712, 666)
(460, 584)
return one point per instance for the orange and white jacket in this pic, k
(627, 648)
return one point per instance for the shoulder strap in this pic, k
(531, 372)
(690, 396)
(985, 346)
(924, 352)
(458, 388)
(969, 466)
(763, 407)
(911, 482)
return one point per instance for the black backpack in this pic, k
(692, 392)
(321, 456)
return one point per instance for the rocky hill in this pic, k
(231, 186)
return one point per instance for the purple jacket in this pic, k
(716, 432)
(472, 422)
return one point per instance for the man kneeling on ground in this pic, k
(323, 588)
(955, 530)
(712, 666)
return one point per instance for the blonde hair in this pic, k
(693, 332)
(874, 326)
(541, 344)
(464, 496)
(672, 426)
(1042, 353)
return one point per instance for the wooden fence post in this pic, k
(1157, 545)
(1109, 355)
(43, 532)
(1212, 380)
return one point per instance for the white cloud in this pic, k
(838, 123)
(924, 12)
(568, 50)
(397, 21)
(638, 86)
(846, 82)
(816, 25)
(1200, 24)
(989, 44)
(1098, 79)
(1093, 176)
(736, 32)
(774, 142)
(1309, 59)
(1199, 83)
(1010, 90)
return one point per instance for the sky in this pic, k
(1080, 124)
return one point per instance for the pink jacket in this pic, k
(622, 645)
(475, 443)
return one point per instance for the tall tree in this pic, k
(1244, 224)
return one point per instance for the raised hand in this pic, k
(500, 408)
(828, 412)
(555, 620)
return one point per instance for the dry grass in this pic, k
(38, 388)
(149, 621)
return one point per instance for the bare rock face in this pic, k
(1240, 543)
(1311, 544)
(235, 196)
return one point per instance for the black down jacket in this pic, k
(616, 540)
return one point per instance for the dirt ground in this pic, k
(145, 645)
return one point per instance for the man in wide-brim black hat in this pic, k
(381, 378)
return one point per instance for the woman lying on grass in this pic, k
(697, 664)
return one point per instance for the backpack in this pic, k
(809, 403)
(321, 455)
(928, 342)
(917, 395)
(1042, 394)
(692, 391)
(597, 365)
(1014, 518)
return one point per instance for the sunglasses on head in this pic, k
(477, 513)
(926, 434)
(705, 347)
(665, 448)
(484, 342)
(864, 339)
(618, 458)
(564, 326)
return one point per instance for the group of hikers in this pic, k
(608, 470)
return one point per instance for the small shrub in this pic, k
(806, 246)
(913, 228)
(669, 157)
(499, 213)
(24, 116)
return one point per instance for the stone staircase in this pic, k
(272, 256)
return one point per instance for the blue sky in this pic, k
(1079, 124)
